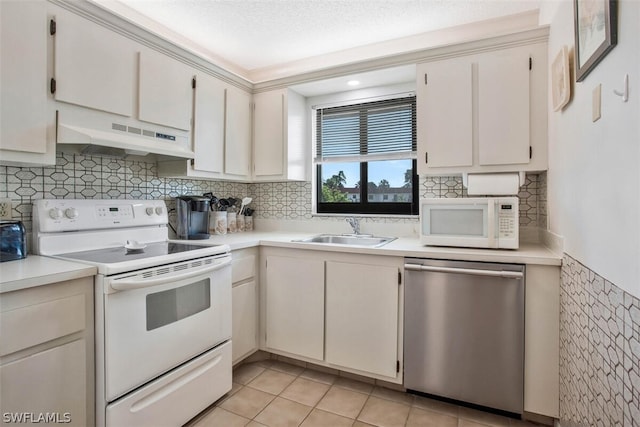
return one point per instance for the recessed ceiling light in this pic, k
(353, 82)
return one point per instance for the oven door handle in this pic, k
(136, 282)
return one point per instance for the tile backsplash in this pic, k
(599, 350)
(80, 176)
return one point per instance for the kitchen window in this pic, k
(366, 158)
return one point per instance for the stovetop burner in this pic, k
(121, 254)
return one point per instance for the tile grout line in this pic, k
(412, 406)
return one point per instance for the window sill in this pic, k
(374, 216)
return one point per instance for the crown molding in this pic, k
(461, 40)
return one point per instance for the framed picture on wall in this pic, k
(596, 33)
(560, 81)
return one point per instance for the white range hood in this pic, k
(109, 135)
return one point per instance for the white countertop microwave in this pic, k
(473, 222)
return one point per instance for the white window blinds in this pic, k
(380, 130)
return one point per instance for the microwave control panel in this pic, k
(507, 216)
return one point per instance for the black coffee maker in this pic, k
(193, 217)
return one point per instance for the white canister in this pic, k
(231, 222)
(248, 223)
(220, 222)
(240, 223)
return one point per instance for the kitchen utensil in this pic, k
(223, 204)
(213, 201)
(245, 202)
(233, 202)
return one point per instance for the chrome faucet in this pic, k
(354, 223)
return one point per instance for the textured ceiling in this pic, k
(257, 34)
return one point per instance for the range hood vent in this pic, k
(116, 139)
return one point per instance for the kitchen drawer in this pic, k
(243, 268)
(30, 325)
(173, 399)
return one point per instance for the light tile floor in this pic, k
(277, 394)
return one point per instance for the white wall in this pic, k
(594, 168)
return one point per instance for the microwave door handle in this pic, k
(137, 283)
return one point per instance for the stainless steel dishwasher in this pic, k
(464, 331)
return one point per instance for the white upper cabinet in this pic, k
(94, 67)
(165, 91)
(269, 133)
(237, 156)
(503, 107)
(445, 131)
(24, 120)
(208, 126)
(279, 126)
(483, 112)
(221, 134)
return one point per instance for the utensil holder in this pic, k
(232, 225)
(219, 222)
(240, 223)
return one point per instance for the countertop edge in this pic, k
(36, 271)
(39, 271)
(529, 253)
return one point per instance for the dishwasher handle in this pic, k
(471, 271)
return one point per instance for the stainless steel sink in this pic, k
(365, 240)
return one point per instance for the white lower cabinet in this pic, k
(294, 305)
(47, 354)
(362, 317)
(334, 309)
(542, 340)
(244, 308)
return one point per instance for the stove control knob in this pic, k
(71, 213)
(149, 211)
(55, 213)
(159, 210)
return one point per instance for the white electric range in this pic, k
(162, 308)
